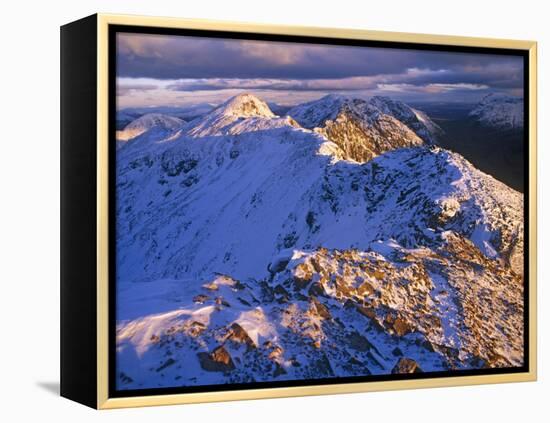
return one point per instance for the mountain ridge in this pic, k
(255, 249)
(146, 122)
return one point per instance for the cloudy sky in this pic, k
(161, 70)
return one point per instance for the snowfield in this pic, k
(336, 241)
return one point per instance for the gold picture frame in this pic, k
(100, 30)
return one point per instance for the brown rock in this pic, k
(378, 274)
(276, 353)
(238, 334)
(200, 299)
(365, 289)
(217, 361)
(406, 365)
(322, 310)
(210, 286)
(195, 328)
(302, 275)
(401, 327)
(366, 311)
(342, 288)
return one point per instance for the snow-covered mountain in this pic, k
(250, 248)
(147, 122)
(242, 113)
(415, 119)
(314, 114)
(499, 111)
(186, 113)
(364, 129)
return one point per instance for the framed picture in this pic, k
(253, 211)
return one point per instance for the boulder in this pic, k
(406, 365)
(218, 360)
(401, 326)
(365, 289)
(358, 342)
(238, 334)
(302, 275)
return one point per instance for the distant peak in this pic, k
(335, 97)
(380, 101)
(500, 111)
(500, 97)
(155, 119)
(148, 121)
(383, 98)
(245, 105)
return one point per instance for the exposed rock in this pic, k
(238, 334)
(302, 275)
(194, 328)
(366, 311)
(201, 298)
(321, 309)
(406, 365)
(276, 353)
(365, 289)
(401, 326)
(358, 342)
(210, 286)
(217, 361)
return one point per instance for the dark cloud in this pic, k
(172, 70)
(177, 57)
(496, 78)
(215, 84)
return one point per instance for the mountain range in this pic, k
(338, 240)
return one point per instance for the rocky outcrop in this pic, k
(406, 365)
(238, 334)
(218, 360)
